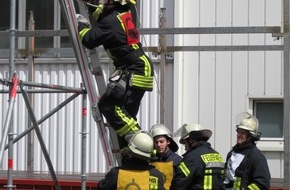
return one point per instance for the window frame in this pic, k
(267, 144)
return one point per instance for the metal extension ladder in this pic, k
(107, 136)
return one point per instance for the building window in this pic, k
(270, 116)
(44, 20)
(5, 23)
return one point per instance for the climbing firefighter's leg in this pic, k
(122, 122)
(132, 101)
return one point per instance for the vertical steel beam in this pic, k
(13, 92)
(12, 37)
(30, 55)
(163, 50)
(286, 120)
(12, 95)
(84, 141)
(7, 128)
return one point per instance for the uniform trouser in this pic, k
(121, 114)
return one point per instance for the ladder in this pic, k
(107, 136)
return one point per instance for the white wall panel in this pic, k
(223, 96)
(273, 19)
(257, 13)
(240, 13)
(274, 74)
(256, 73)
(275, 162)
(207, 89)
(149, 18)
(239, 89)
(190, 77)
(224, 13)
(208, 17)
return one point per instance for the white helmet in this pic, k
(141, 145)
(162, 130)
(194, 131)
(249, 123)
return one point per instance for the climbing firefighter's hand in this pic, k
(82, 22)
(92, 5)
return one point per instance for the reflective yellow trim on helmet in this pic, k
(131, 124)
(184, 169)
(82, 33)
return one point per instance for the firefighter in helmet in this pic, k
(246, 166)
(167, 160)
(201, 167)
(133, 76)
(135, 171)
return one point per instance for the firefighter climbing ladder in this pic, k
(108, 139)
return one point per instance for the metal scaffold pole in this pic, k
(286, 121)
(12, 95)
(6, 129)
(84, 141)
(40, 139)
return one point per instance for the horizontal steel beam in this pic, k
(211, 30)
(219, 48)
(150, 31)
(68, 52)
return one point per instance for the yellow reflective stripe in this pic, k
(135, 46)
(120, 19)
(83, 32)
(253, 186)
(237, 183)
(98, 11)
(212, 157)
(133, 2)
(153, 183)
(147, 67)
(131, 124)
(184, 169)
(141, 78)
(207, 181)
(142, 81)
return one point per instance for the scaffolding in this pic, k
(90, 89)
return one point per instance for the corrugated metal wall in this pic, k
(213, 87)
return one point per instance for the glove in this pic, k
(92, 5)
(82, 22)
(124, 2)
